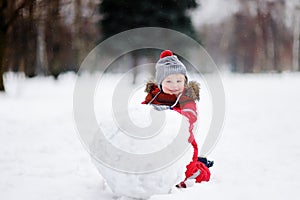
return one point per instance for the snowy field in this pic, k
(257, 157)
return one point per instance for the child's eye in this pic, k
(168, 81)
(179, 81)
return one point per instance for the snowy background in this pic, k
(257, 157)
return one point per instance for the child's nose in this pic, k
(175, 85)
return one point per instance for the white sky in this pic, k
(213, 11)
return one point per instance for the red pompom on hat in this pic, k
(166, 53)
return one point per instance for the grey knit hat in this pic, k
(168, 64)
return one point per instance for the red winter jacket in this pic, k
(186, 106)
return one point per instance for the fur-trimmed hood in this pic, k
(192, 89)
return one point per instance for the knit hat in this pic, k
(168, 64)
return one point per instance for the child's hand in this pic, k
(160, 107)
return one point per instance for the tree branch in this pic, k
(3, 5)
(16, 12)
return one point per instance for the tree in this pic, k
(296, 39)
(260, 39)
(9, 12)
(119, 15)
(41, 48)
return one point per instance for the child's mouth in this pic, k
(174, 91)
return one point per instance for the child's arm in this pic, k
(189, 110)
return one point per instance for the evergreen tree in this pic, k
(121, 15)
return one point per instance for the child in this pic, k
(173, 91)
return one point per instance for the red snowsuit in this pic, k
(186, 106)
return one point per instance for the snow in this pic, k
(257, 157)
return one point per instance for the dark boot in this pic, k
(207, 163)
(181, 185)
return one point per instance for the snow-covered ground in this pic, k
(257, 157)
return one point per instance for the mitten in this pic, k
(160, 107)
(207, 163)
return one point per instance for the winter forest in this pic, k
(51, 111)
(41, 37)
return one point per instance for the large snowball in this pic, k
(140, 167)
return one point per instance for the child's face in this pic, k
(173, 84)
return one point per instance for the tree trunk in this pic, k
(7, 17)
(3, 29)
(77, 37)
(2, 48)
(296, 40)
(135, 58)
(41, 52)
(234, 45)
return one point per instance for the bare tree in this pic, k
(9, 12)
(41, 53)
(260, 39)
(296, 39)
